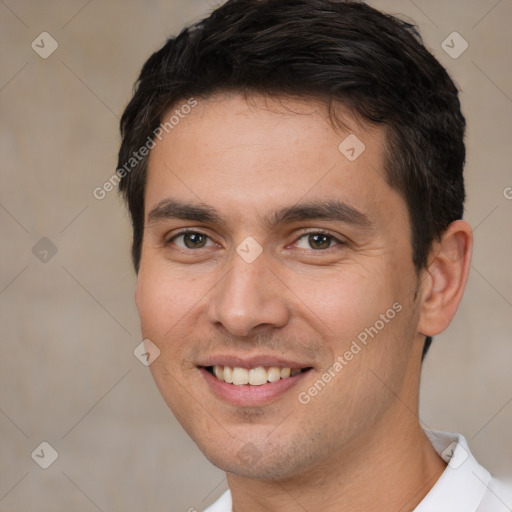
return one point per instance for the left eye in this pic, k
(318, 241)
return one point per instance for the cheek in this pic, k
(363, 320)
(342, 303)
(150, 303)
(169, 304)
(160, 302)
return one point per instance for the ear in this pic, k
(444, 280)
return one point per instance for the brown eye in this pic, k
(318, 241)
(190, 240)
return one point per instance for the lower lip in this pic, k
(247, 395)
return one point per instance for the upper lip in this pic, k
(254, 361)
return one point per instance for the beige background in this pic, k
(68, 375)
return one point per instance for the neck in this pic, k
(391, 467)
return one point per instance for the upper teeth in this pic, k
(254, 376)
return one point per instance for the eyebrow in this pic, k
(331, 209)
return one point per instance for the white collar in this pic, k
(463, 484)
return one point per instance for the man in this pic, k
(294, 174)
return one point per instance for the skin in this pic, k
(357, 444)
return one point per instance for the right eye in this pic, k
(190, 240)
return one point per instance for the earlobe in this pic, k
(444, 280)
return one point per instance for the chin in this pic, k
(264, 462)
(261, 470)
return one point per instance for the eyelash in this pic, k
(325, 233)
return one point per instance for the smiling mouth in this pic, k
(253, 376)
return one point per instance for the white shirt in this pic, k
(464, 486)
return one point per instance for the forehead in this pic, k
(248, 156)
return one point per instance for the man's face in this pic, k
(210, 298)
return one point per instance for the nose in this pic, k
(249, 297)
